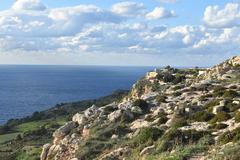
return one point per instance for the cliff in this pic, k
(169, 114)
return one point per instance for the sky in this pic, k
(117, 32)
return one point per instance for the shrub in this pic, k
(220, 126)
(104, 132)
(230, 136)
(230, 94)
(91, 148)
(4, 129)
(209, 106)
(141, 103)
(156, 86)
(176, 94)
(179, 122)
(218, 91)
(204, 97)
(201, 116)
(237, 117)
(177, 87)
(229, 153)
(161, 98)
(232, 107)
(221, 116)
(146, 135)
(175, 137)
(178, 78)
(162, 120)
(168, 78)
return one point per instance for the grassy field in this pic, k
(31, 126)
(7, 137)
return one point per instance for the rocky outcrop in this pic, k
(79, 118)
(177, 100)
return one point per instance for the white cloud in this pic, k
(227, 17)
(168, 1)
(160, 13)
(129, 9)
(28, 5)
(123, 29)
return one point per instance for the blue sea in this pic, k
(26, 89)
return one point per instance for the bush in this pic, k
(91, 148)
(221, 116)
(161, 98)
(218, 91)
(146, 135)
(104, 132)
(229, 153)
(220, 126)
(230, 94)
(175, 137)
(178, 78)
(162, 120)
(141, 103)
(202, 116)
(237, 117)
(209, 106)
(176, 94)
(179, 122)
(230, 136)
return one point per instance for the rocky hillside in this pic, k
(169, 114)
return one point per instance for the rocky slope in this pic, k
(168, 114)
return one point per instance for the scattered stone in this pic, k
(198, 126)
(114, 136)
(147, 150)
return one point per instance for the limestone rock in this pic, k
(118, 113)
(139, 123)
(63, 131)
(198, 126)
(92, 111)
(45, 150)
(79, 118)
(137, 110)
(115, 115)
(147, 150)
(114, 136)
(116, 154)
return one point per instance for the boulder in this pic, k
(139, 123)
(79, 118)
(45, 150)
(92, 111)
(64, 130)
(137, 110)
(115, 115)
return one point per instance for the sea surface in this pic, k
(26, 89)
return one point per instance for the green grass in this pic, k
(30, 126)
(29, 153)
(7, 137)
